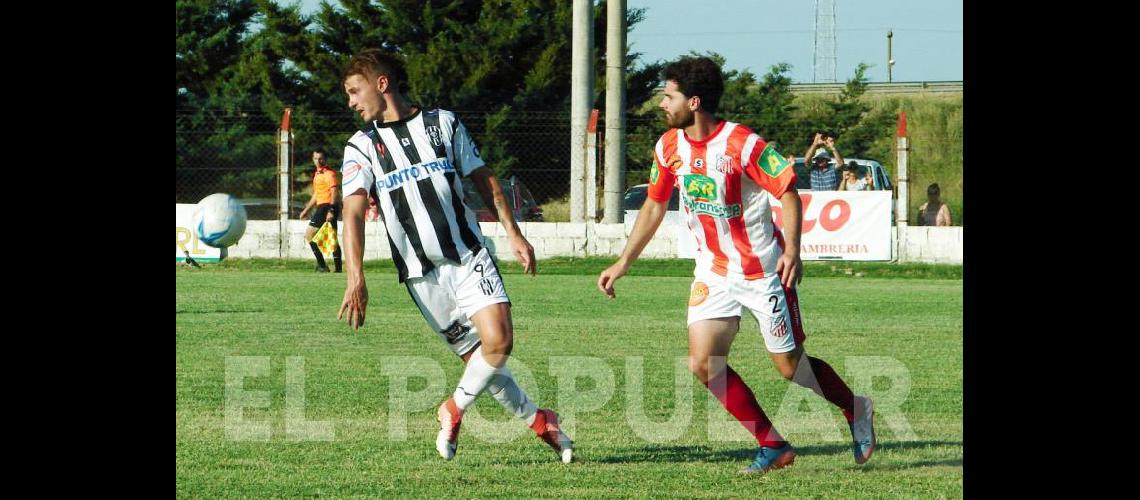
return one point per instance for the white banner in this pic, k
(186, 240)
(843, 225)
(837, 225)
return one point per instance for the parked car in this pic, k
(635, 196)
(879, 174)
(518, 196)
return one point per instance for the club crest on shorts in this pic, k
(779, 326)
(487, 287)
(698, 294)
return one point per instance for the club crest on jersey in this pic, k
(723, 164)
(675, 162)
(435, 136)
(700, 187)
(771, 162)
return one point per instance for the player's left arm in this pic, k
(488, 186)
(790, 267)
(770, 170)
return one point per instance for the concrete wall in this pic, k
(567, 239)
(938, 245)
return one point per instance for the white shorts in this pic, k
(776, 309)
(451, 293)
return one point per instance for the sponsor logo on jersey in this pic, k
(714, 209)
(349, 170)
(771, 162)
(455, 331)
(700, 187)
(415, 172)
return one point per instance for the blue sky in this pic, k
(755, 34)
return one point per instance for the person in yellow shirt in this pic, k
(326, 199)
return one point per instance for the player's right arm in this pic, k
(355, 291)
(358, 179)
(648, 219)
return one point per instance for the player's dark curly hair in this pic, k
(371, 63)
(697, 77)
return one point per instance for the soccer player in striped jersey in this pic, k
(724, 172)
(412, 161)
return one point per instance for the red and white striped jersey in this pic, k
(727, 212)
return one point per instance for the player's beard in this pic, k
(680, 119)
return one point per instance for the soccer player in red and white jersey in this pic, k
(724, 172)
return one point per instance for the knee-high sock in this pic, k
(474, 381)
(508, 393)
(824, 381)
(738, 399)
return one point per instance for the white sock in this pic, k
(475, 379)
(508, 393)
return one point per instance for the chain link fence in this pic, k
(235, 151)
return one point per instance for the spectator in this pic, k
(851, 180)
(824, 174)
(933, 212)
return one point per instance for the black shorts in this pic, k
(319, 214)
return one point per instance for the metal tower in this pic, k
(825, 48)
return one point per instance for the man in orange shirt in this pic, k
(327, 202)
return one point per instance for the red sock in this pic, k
(738, 399)
(831, 387)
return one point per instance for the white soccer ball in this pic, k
(219, 220)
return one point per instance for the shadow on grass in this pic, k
(654, 453)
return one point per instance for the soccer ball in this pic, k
(219, 220)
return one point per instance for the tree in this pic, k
(503, 65)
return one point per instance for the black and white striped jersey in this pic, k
(414, 168)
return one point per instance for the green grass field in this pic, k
(881, 334)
